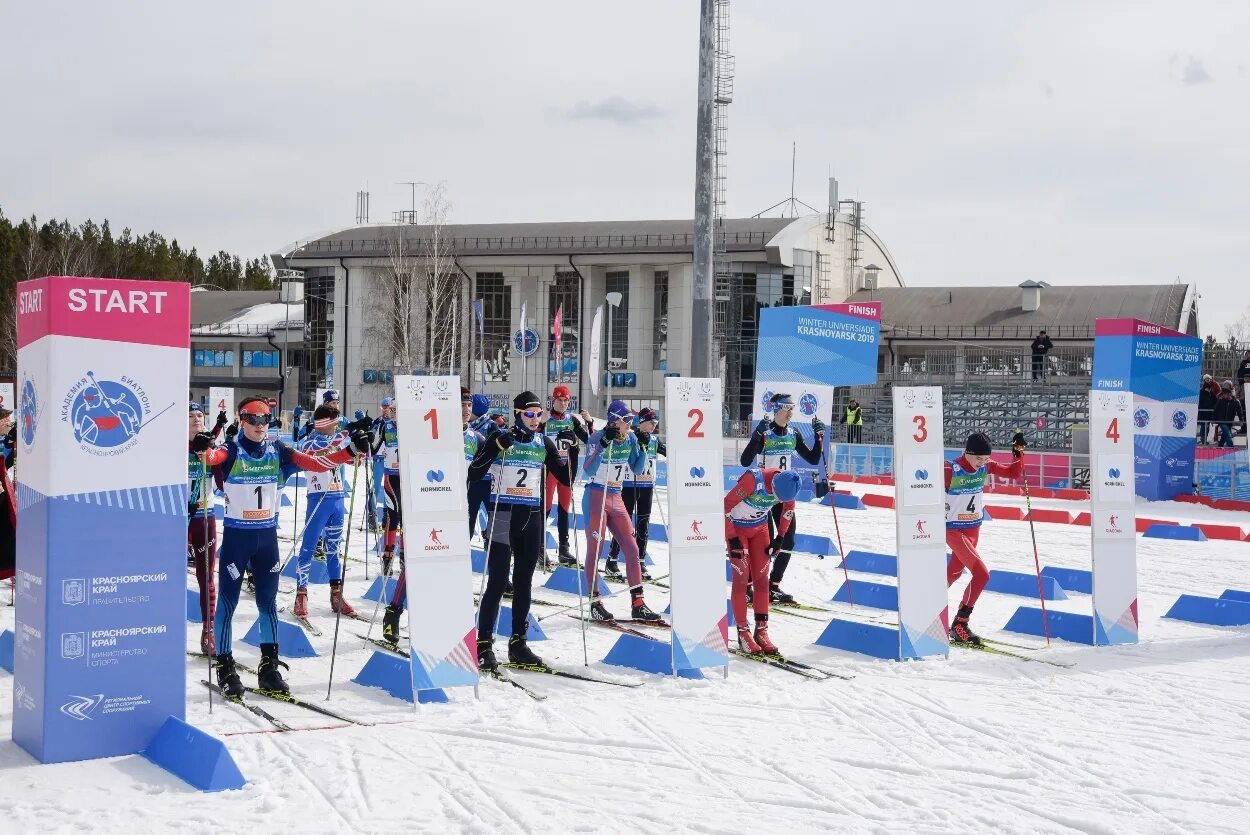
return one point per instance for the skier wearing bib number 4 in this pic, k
(776, 442)
(965, 486)
(748, 508)
(250, 469)
(615, 455)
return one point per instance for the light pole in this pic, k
(286, 280)
(613, 300)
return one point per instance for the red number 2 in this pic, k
(695, 430)
(922, 432)
(432, 417)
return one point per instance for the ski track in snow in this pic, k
(1149, 738)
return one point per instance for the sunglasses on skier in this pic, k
(532, 414)
(256, 420)
(785, 407)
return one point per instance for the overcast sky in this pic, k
(992, 142)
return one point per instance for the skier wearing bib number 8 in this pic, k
(614, 456)
(324, 516)
(250, 469)
(748, 508)
(965, 486)
(776, 443)
(517, 529)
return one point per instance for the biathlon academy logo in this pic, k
(766, 402)
(1141, 418)
(808, 404)
(106, 416)
(1180, 420)
(28, 411)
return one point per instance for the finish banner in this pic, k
(102, 514)
(441, 624)
(696, 513)
(1162, 368)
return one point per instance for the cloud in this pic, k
(615, 109)
(1195, 73)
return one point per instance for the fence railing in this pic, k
(730, 240)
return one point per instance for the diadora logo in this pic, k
(80, 707)
(696, 532)
(694, 526)
(920, 534)
(1179, 420)
(434, 534)
(697, 472)
(808, 404)
(434, 476)
(106, 416)
(28, 412)
(1141, 418)
(920, 526)
(1113, 524)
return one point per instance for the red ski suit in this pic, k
(752, 566)
(963, 541)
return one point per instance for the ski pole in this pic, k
(833, 505)
(347, 541)
(581, 611)
(1037, 563)
(497, 486)
(377, 602)
(208, 573)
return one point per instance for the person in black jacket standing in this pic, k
(1206, 407)
(1239, 382)
(1041, 345)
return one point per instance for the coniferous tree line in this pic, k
(30, 249)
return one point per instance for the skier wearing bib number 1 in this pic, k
(965, 485)
(614, 455)
(250, 469)
(776, 442)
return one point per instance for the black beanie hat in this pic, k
(526, 400)
(978, 444)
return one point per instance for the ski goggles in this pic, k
(256, 419)
(195, 408)
(785, 407)
(532, 414)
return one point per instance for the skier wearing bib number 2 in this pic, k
(965, 485)
(517, 529)
(249, 469)
(615, 455)
(776, 443)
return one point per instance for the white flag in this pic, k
(596, 331)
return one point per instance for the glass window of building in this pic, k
(565, 295)
(618, 340)
(660, 322)
(495, 352)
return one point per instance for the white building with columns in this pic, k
(761, 262)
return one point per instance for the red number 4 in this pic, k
(1113, 430)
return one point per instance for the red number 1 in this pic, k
(432, 417)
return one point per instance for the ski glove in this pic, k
(761, 428)
(1018, 445)
(360, 440)
(360, 424)
(202, 442)
(610, 434)
(817, 425)
(222, 420)
(231, 431)
(643, 438)
(567, 438)
(775, 546)
(736, 550)
(504, 440)
(297, 412)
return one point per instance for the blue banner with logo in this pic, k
(1162, 368)
(99, 655)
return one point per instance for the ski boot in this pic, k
(248, 584)
(641, 611)
(565, 558)
(612, 570)
(642, 563)
(268, 676)
(206, 639)
(301, 603)
(598, 612)
(390, 625)
(338, 604)
(507, 589)
(776, 595)
(388, 557)
(519, 652)
(745, 642)
(761, 636)
(228, 677)
(486, 660)
(960, 633)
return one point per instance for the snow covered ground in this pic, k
(1143, 739)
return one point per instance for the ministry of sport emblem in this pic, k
(28, 411)
(73, 592)
(73, 645)
(106, 416)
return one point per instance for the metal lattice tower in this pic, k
(723, 98)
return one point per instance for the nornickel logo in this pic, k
(697, 472)
(434, 476)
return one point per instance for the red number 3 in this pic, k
(922, 431)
